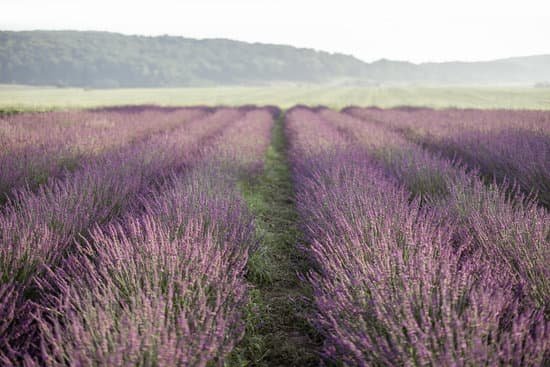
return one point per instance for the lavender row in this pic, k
(394, 284)
(40, 229)
(165, 287)
(74, 127)
(513, 231)
(57, 212)
(511, 146)
(35, 147)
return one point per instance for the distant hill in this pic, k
(102, 59)
(524, 70)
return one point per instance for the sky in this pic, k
(412, 30)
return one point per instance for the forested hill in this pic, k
(109, 60)
(101, 59)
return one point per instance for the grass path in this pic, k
(277, 332)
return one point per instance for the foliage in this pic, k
(109, 60)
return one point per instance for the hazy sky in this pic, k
(415, 30)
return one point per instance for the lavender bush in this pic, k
(165, 288)
(461, 195)
(35, 147)
(511, 146)
(124, 238)
(397, 283)
(39, 229)
(163, 284)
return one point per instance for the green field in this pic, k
(24, 98)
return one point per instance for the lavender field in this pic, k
(251, 236)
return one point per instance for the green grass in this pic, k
(277, 332)
(15, 98)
